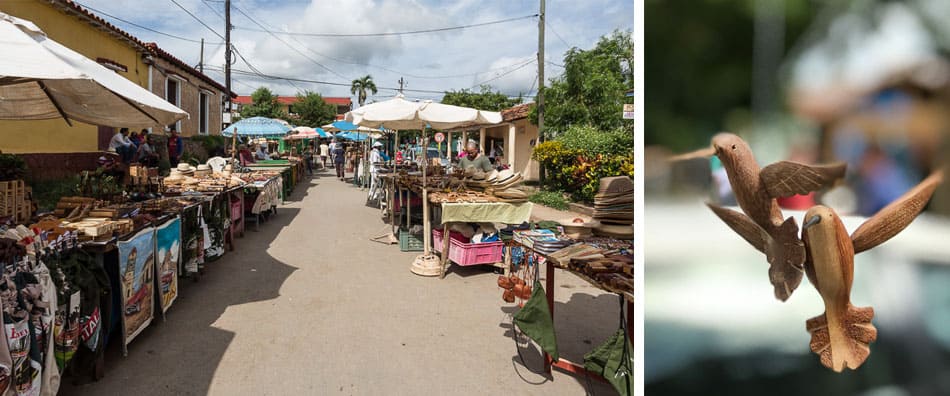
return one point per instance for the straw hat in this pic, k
(478, 174)
(492, 176)
(508, 182)
(504, 175)
(185, 169)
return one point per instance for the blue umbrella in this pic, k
(257, 126)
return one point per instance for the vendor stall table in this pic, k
(486, 212)
(564, 364)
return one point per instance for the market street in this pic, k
(309, 305)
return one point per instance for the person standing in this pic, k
(339, 158)
(324, 152)
(121, 144)
(175, 147)
(332, 148)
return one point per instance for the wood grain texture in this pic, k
(842, 334)
(742, 225)
(896, 216)
(786, 178)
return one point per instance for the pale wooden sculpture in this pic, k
(756, 189)
(841, 335)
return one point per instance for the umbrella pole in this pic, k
(426, 227)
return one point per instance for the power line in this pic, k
(197, 19)
(339, 84)
(215, 11)
(558, 35)
(554, 64)
(314, 61)
(401, 33)
(139, 26)
(522, 66)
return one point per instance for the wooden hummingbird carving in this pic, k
(842, 334)
(762, 224)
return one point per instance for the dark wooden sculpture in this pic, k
(841, 335)
(763, 225)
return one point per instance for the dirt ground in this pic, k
(309, 305)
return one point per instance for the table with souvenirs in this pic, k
(104, 268)
(598, 251)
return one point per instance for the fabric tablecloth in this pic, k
(489, 212)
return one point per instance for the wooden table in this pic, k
(564, 364)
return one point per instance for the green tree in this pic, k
(591, 89)
(312, 110)
(698, 66)
(263, 104)
(361, 86)
(484, 99)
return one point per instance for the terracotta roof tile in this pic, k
(516, 112)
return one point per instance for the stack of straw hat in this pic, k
(613, 207)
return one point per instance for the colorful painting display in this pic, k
(136, 271)
(168, 246)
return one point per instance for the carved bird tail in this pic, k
(842, 340)
(786, 255)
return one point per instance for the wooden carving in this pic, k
(841, 335)
(756, 190)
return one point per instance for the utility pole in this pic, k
(227, 51)
(401, 82)
(201, 60)
(541, 172)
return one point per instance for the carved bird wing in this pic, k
(742, 225)
(786, 178)
(895, 216)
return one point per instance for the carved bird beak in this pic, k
(812, 221)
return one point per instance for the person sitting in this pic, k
(261, 154)
(474, 158)
(245, 155)
(146, 154)
(122, 146)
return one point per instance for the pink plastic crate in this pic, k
(466, 254)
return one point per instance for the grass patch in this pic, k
(552, 199)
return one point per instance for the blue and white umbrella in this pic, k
(257, 127)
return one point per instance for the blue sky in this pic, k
(433, 61)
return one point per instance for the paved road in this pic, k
(308, 305)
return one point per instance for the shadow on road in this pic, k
(181, 354)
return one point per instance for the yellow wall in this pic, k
(54, 136)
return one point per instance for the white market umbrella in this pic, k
(42, 79)
(398, 113)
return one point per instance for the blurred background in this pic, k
(866, 82)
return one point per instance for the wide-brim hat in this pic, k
(615, 185)
(203, 167)
(578, 222)
(185, 168)
(504, 175)
(492, 176)
(511, 193)
(508, 183)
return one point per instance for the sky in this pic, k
(501, 55)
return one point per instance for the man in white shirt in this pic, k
(324, 152)
(121, 144)
(261, 154)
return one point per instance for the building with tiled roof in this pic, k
(343, 104)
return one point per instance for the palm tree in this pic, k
(360, 86)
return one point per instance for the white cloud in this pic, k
(469, 56)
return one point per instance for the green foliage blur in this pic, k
(313, 110)
(484, 99)
(592, 89)
(263, 104)
(12, 167)
(698, 66)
